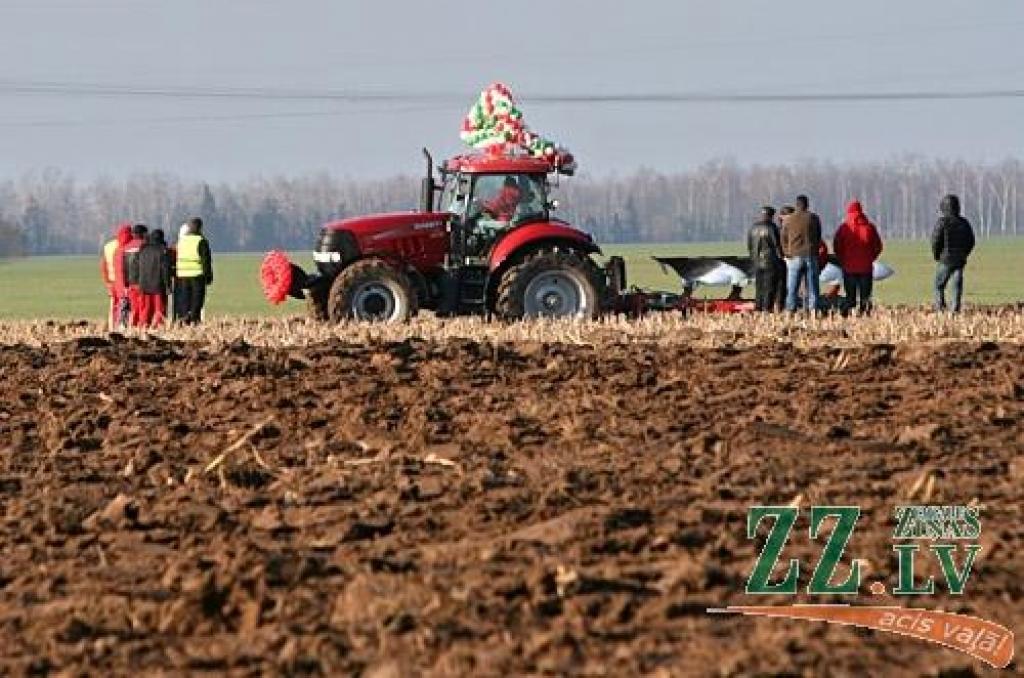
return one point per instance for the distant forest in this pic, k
(53, 213)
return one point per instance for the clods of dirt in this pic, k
(459, 508)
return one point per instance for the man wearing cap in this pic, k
(154, 280)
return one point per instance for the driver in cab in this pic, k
(501, 202)
(502, 207)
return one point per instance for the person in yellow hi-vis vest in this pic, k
(113, 278)
(194, 271)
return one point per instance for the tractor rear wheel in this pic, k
(549, 284)
(372, 290)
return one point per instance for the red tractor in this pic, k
(491, 246)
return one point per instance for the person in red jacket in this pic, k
(130, 268)
(857, 245)
(112, 273)
(502, 206)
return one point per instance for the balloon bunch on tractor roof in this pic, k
(485, 241)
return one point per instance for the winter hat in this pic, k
(156, 237)
(139, 230)
(124, 233)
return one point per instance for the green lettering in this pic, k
(904, 515)
(955, 580)
(846, 521)
(905, 554)
(973, 530)
(785, 517)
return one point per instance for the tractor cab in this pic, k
(499, 212)
(489, 196)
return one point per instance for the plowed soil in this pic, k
(463, 508)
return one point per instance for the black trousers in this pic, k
(193, 296)
(177, 306)
(858, 291)
(767, 285)
(780, 286)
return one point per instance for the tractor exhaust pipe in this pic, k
(427, 187)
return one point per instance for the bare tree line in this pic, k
(53, 213)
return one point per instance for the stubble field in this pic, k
(468, 498)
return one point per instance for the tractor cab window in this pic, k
(532, 201)
(508, 199)
(497, 203)
(455, 193)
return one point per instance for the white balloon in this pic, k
(882, 270)
(723, 274)
(831, 274)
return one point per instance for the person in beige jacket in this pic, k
(801, 239)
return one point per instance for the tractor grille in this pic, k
(334, 249)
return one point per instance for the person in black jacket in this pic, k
(952, 243)
(154, 265)
(130, 270)
(780, 293)
(766, 260)
(194, 271)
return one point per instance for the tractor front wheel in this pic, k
(372, 290)
(549, 284)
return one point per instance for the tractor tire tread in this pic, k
(366, 270)
(511, 288)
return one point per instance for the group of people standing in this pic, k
(788, 251)
(141, 270)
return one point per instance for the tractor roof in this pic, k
(498, 164)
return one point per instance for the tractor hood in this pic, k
(389, 224)
(419, 239)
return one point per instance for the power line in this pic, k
(170, 92)
(238, 117)
(748, 98)
(438, 98)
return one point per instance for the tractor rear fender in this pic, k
(532, 237)
(507, 254)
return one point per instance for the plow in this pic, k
(485, 241)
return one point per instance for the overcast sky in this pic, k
(450, 50)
